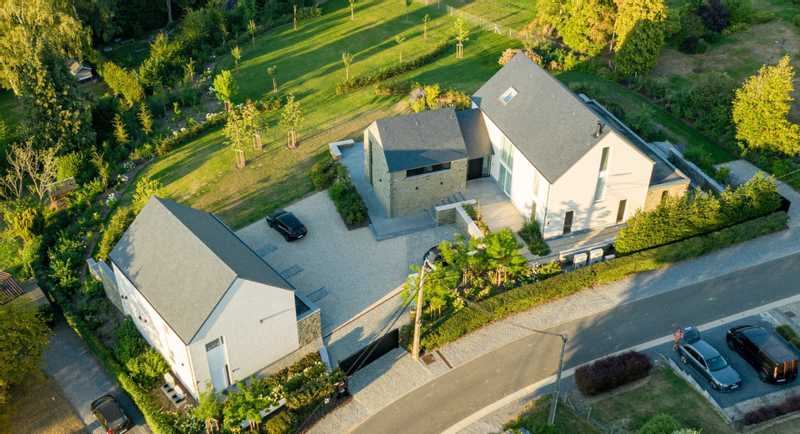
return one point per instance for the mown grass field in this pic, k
(515, 14)
(308, 62)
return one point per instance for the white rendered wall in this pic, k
(258, 325)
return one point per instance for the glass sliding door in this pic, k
(506, 166)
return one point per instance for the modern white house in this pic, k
(214, 309)
(561, 158)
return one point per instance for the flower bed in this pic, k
(768, 412)
(532, 236)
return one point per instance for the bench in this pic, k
(334, 148)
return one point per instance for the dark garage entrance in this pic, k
(371, 352)
(475, 169)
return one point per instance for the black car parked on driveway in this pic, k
(703, 357)
(287, 225)
(770, 356)
(108, 412)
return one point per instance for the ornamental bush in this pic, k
(611, 372)
(532, 236)
(697, 213)
(660, 424)
(323, 173)
(348, 202)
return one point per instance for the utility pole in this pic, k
(551, 419)
(418, 316)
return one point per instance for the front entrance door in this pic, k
(475, 168)
(568, 221)
(217, 365)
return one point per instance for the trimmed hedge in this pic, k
(526, 297)
(768, 412)
(387, 72)
(348, 202)
(698, 213)
(787, 333)
(611, 372)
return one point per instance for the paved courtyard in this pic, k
(343, 272)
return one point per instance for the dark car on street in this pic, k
(287, 225)
(771, 357)
(110, 415)
(704, 358)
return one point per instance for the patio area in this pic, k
(496, 208)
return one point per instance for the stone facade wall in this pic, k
(374, 157)
(424, 191)
(655, 192)
(309, 328)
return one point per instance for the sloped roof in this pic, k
(421, 139)
(473, 129)
(544, 120)
(184, 260)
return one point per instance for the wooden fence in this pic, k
(483, 23)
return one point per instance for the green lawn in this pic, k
(10, 108)
(535, 417)
(515, 14)
(308, 61)
(674, 129)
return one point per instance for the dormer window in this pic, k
(508, 95)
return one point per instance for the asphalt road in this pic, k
(82, 379)
(452, 397)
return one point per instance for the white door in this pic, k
(217, 364)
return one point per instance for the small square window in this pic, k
(508, 95)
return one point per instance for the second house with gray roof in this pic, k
(214, 309)
(561, 158)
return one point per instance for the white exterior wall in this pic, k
(258, 325)
(522, 176)
(156, 331)
(627, 177)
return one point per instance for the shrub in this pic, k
(660, 424)
(387, 72)
(281, 423)
(129, 343)
(117, 225)
(611, 372)
(763, 414)
(524, 297)
(323, 173)
(532, 236)
(348, 202)
(697, 213)
(148, 369)
(69, 165)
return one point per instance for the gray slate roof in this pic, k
(475, 134)
(545, 120)
(421, 139)
(184, 260)
(664, 172)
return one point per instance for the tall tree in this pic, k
(123, 83)
(761, 107)
(291, 118)
(638, 35)
(347, 60)
(37, 37)
(22, 343)
(145, 119)
(588, 25)
(225, 88)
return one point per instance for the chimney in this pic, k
(599, 131)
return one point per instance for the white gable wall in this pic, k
(156, 331)
(258, 325)
(627, 177)
(523, 176)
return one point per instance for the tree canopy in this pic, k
(639, 35)
(22, 343)
(761, 107)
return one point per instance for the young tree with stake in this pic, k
(291, 118)
(225, 88)
(425, 20)
(347, 60)
(272, 72)
(462, 35)
(251, 29)
(352, 9)
(236, 53)
(399, 40)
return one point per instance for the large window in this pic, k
(600, 187)
(427, 169)
(506, 166)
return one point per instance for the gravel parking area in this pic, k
(752, 387)
(343, 272)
